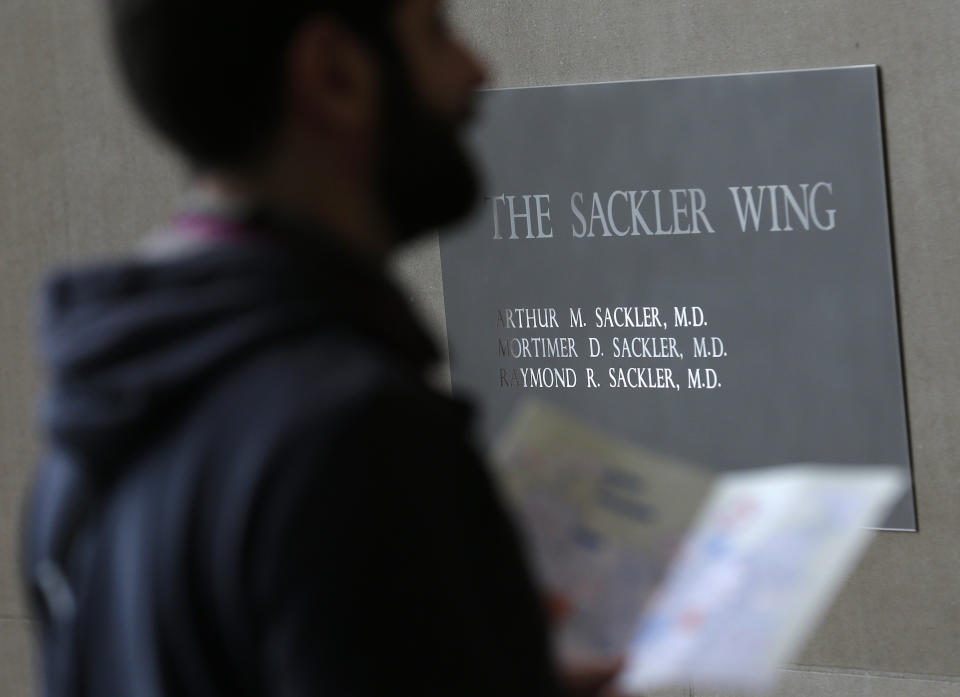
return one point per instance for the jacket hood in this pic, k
(125, 342)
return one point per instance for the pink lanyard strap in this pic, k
(214, 228)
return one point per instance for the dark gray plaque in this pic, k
(732, 233)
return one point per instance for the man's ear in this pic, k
(332, 76)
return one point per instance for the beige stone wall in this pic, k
(895, 628)
(78, 178)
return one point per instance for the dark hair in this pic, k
(208, 74)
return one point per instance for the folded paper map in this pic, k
(693, 577)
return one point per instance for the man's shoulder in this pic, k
(316, 385)
(306, 424)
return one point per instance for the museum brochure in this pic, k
(694, 578)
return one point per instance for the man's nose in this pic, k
(475, 70)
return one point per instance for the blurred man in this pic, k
(248, 489)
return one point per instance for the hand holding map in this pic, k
(723, 602)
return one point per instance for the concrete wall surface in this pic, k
(79, 178)
(895, 628)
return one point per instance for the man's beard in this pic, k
(426, 179)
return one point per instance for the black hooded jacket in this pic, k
(248, 489)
